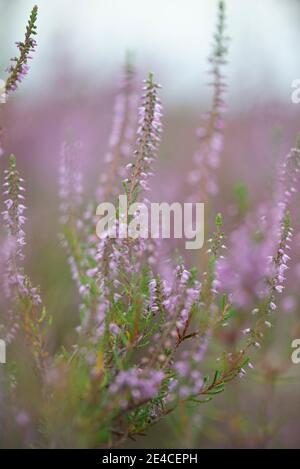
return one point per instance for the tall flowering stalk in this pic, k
(70, 192)
(288, 181)
(207, 156)
(24, 297)
(149, 130)
(118, 260)
(19, 68)
(141, 168)
(14, 214)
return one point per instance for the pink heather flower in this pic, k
(12, 331)
(182, 368)
(84, 289)
(153, 296)
(137, 385)
(289, 304)
(189, 380)
(22, 418)
(114, 329)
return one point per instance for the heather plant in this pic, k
(140, 349)
(19, 67)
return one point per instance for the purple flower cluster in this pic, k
(256, 262)
(174, 302)
(135, 385)
(189, 380)
(242, 272)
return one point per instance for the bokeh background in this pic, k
(73, 80)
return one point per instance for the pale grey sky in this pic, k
(170, 37)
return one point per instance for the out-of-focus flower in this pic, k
(210, 135)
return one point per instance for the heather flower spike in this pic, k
(23, 297)
(19, 69)
(13, 216)
(210, 135)
(288, 181)
(148, 139)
